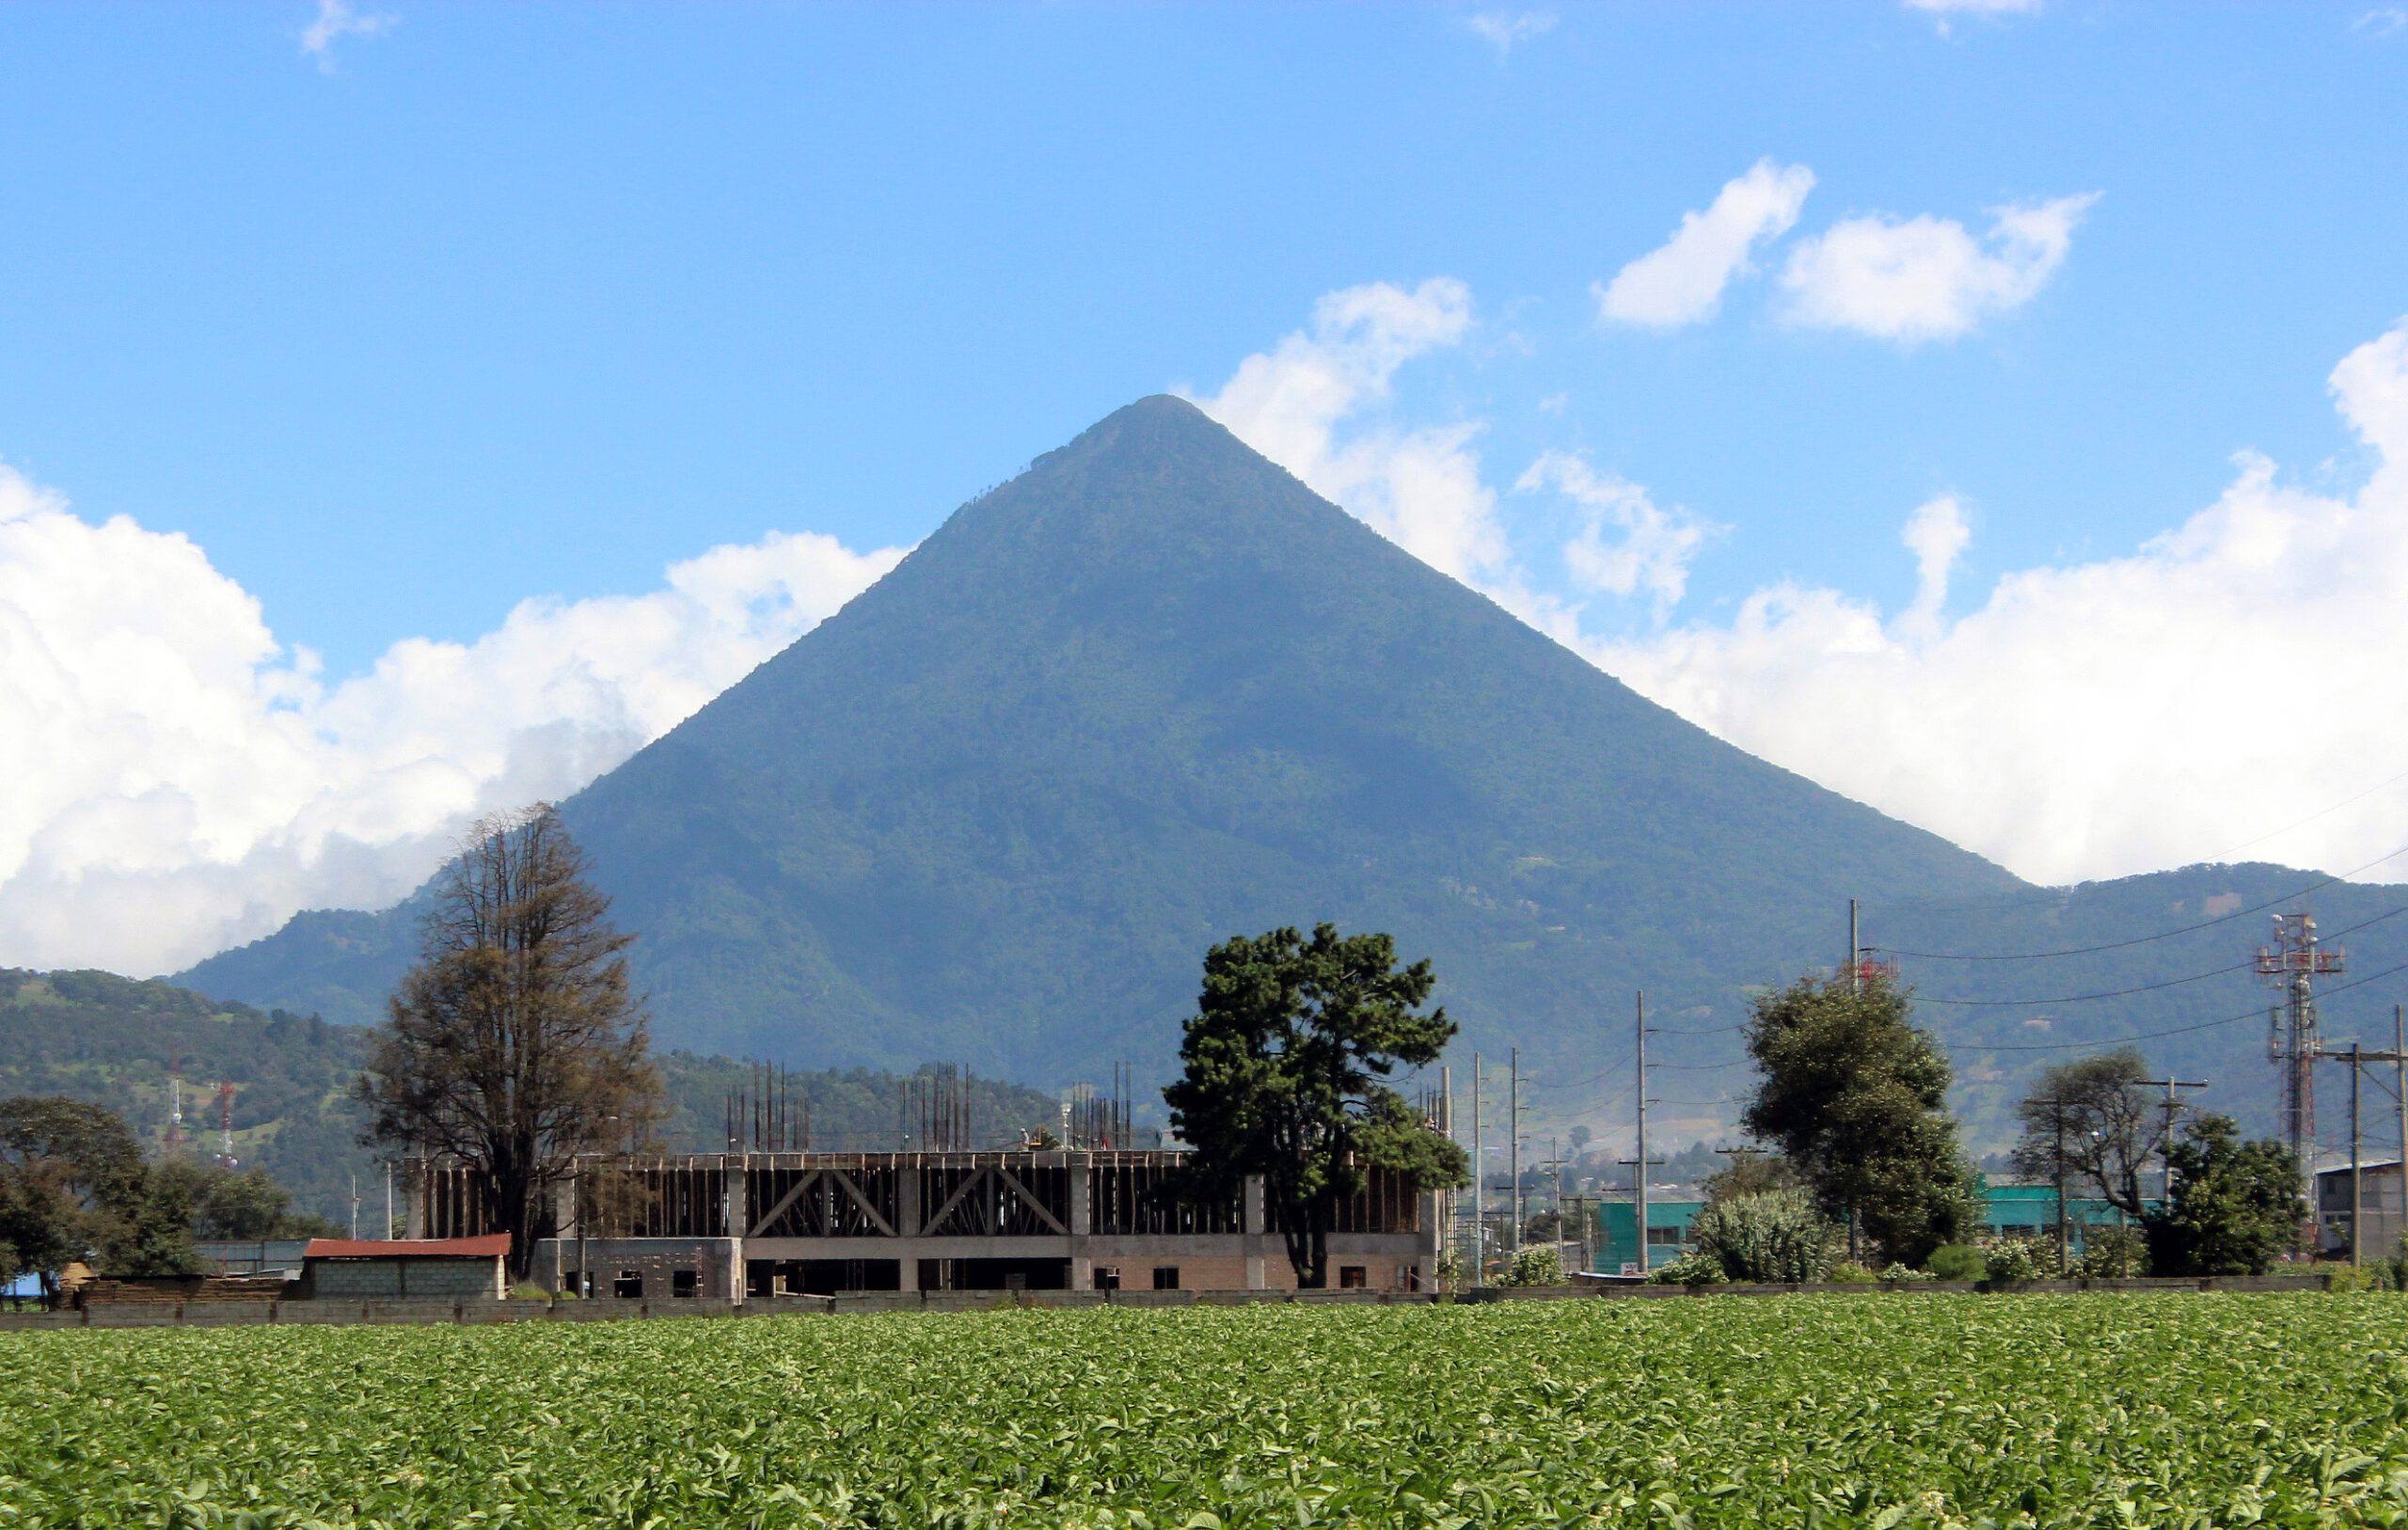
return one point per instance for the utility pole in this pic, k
(1514, 1143)
(1640, 1165)
(2058, 1107)
(1639, 1169)
(2358, 1193)
(1447, 1116)
(1855, 952)
(1478, 1187)
(2165, 1143)
(2357, 1057)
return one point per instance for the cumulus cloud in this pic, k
(1649, 549)
(1298, 405)
(1680, 281)
(2105, 718)
(335, 20)
(1502, 29)
(1927, 278)
(180, 780)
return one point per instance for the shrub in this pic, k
(1848, 1272)
(1957, 1261)
(2015, 1260)
(2109, 1253)
(1901, 1272)
(1695, 1267)
(1775, 1237)
(1540, 1266)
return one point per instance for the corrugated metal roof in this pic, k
(492, 1246)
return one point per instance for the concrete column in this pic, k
(1426, 1263)
(907, 1220)
(414, 1203)
(735, 1211)
(1081, 1222)
(1252, 1221)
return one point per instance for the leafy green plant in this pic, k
(1848, 1272)
(2017, 1258)
(1957, 1261)
(1776, 1235)
(1539, 1266)
(1902, 1272)
(2247, 1408)
(1695, 1267)
(2112, 1254)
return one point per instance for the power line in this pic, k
(2141, 940)
(2151, 1035)
(2148, 987)
(2084, 998)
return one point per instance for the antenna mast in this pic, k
(2292, 964)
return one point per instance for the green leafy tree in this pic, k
(2092, 1122)
(1855, 1096)
(514, 1044)
(1750, 1174)
(72, 1186)
(2236, 1205)
(223, 1203)
(1285, 1065)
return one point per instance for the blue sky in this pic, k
(464, 306)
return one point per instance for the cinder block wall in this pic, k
(431, 1279)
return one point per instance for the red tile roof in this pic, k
(492, 1246)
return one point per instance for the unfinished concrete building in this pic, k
(758, 1226)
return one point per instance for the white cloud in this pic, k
(179, 780)
(335, 20)
(1502, 29)
(1419, 488)
(2381, 21)
(1653, 549)
(1927, 278)
(1680, 281)
(1936, 533)
(2101, 719)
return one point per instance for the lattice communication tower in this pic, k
(2292, 964)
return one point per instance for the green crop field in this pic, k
(2178, 1410)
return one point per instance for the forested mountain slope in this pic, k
(1148, 693)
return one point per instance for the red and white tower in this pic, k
(2292, 964)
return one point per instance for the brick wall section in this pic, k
(405, 1277)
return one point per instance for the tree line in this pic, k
(1867, 1161)
(515, 1047)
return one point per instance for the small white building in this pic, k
(2379, 1190)
(429, 1270)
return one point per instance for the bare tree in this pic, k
(515, 1045)
(2093, 1121)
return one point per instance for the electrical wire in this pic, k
(2085, 998)
(1710, 1030)
(2149, 987)
(2136, 940)
(2177, 1031)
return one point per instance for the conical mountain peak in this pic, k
(1152, 692)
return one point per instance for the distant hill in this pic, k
(1153, 692)
(113, 1041)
